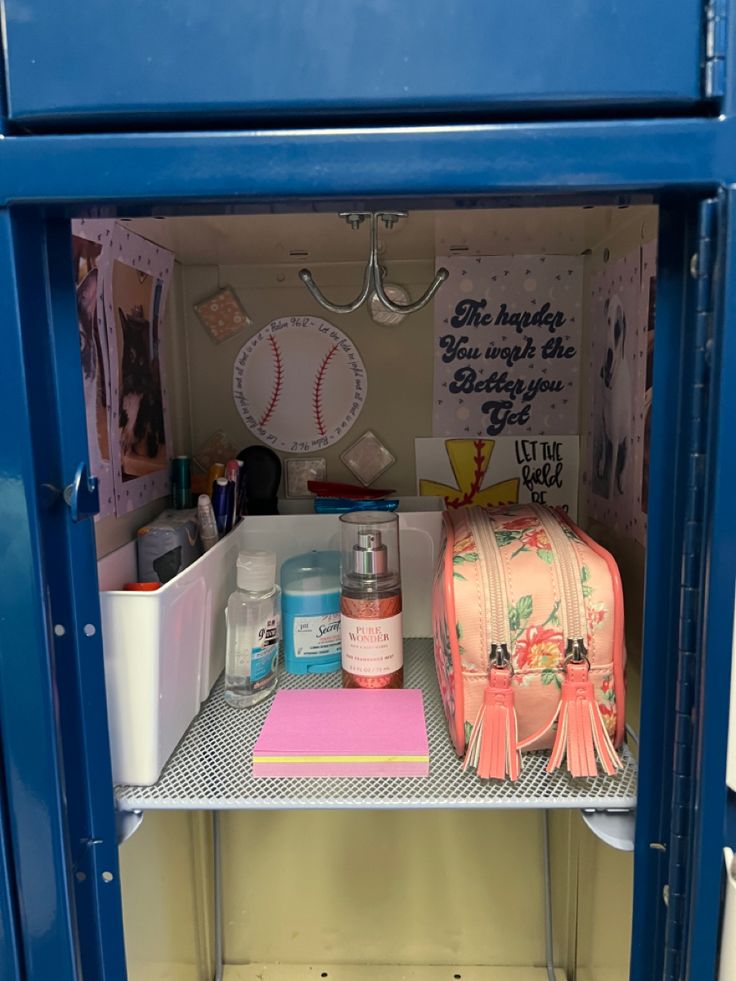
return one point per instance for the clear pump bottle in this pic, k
(253, 631)
(370, 602)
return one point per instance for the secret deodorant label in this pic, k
(317, 636)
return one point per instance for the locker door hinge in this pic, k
(714, 62)
(695, 426)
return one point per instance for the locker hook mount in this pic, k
(82, 496)
(373, 276)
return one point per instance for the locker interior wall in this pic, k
(368, 887)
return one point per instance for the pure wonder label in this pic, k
(372, 647)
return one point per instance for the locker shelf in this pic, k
(384, 972)
(211, 767)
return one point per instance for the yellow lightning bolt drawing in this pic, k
(469, 459)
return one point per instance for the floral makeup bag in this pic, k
(529, 641)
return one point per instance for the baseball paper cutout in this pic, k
(299, 384)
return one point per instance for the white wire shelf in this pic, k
(211, 767)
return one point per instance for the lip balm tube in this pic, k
(207, 523)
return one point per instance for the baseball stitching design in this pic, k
(479, 473)
(278, 381)
(318, 381)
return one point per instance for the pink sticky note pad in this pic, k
(343, 732)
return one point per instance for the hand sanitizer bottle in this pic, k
(253, 631)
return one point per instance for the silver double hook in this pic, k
(373, 277)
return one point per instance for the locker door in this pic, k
(714, 806)
(9, 950)
(147, 62)
(52, 698)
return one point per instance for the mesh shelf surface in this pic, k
(211, 767)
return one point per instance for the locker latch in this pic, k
(82, 495)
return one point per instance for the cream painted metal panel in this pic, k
(296, 886)
(384, 972)
(166, 882)
(371, 888)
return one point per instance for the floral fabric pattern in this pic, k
(607, 704)
(528, 535)
(540, 648)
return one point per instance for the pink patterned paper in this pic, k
(222, 315)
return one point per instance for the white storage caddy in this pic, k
(165, 649)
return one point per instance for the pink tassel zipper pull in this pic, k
(581, 734)
(493, 748)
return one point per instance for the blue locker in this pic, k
(184, 62)
(66, 922)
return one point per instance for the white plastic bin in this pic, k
(163, 652)
(165, 649)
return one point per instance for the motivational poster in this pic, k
(507, 346)
(505, 470)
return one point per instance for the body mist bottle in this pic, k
(370, 601)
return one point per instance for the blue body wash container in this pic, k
(310, 608)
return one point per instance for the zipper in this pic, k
(572, 601)
(498, 633)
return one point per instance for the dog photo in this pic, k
(646, 439)
(612, 419)
(136, 302)
(90, 251)
(93, 344)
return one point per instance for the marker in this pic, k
(220, 504)
(215, 471)
(181, 496)
(232, 472)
